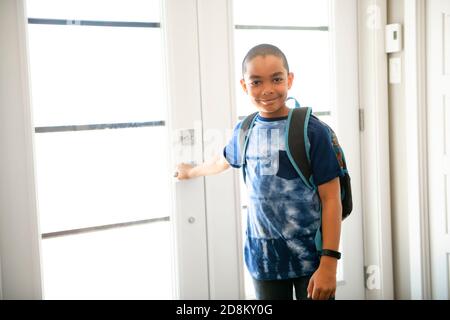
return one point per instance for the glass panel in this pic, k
(106, 10)
(281, 13)
(248, 282)
(87, 75)
(308, 55)
(113, 264)
(98, 177)
(83, 75)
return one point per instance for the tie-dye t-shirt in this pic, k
(283, 215)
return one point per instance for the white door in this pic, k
(319, 39)
(127, 199)
(116, 94)
(438, 95)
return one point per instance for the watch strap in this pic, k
(331, 253)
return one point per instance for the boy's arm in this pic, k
(323, 282)
(215, 165)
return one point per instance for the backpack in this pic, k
(297, 148)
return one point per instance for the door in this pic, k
(116, 93)
(319, 39)
(438, 96)
(119, 96)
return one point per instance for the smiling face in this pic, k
(266, 81)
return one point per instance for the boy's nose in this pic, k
(268, 89)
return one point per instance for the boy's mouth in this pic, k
(268, 101)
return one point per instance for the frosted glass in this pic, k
(88, 75)
(107, 10)
(281, 12)
(99, 177)
(122, 263)
(308, 55)
(249, 289)
(94, 75)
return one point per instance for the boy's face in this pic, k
(267, 82)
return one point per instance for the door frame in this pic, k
(437, 277)
(416, 148)
(344, 50)
(179, 26)
(372, 16)
(20, 263)
(225, 261)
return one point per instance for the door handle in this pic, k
(192, 163)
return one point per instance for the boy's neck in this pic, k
(282, 112)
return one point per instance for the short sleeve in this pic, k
(231, 151)
(324, 164)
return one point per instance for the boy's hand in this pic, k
(322, 285)
(183, 171)
(215, 165)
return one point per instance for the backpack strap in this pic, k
(297, 104)
(297, 143)
(297, 149)
(243, 135)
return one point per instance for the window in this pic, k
(300, 30)
(100, 141)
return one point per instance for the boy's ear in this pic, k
(290, 79)
(244, 86)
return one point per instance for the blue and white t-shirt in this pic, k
(283, 214)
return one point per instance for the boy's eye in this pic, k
(255, 82)
(277, 80)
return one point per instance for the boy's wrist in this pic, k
(329, 262)
(191, 173)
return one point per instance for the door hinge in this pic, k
(361, 119)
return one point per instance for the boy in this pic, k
(283, 214)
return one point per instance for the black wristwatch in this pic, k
(330, 253)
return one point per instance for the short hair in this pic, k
(263, 49)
